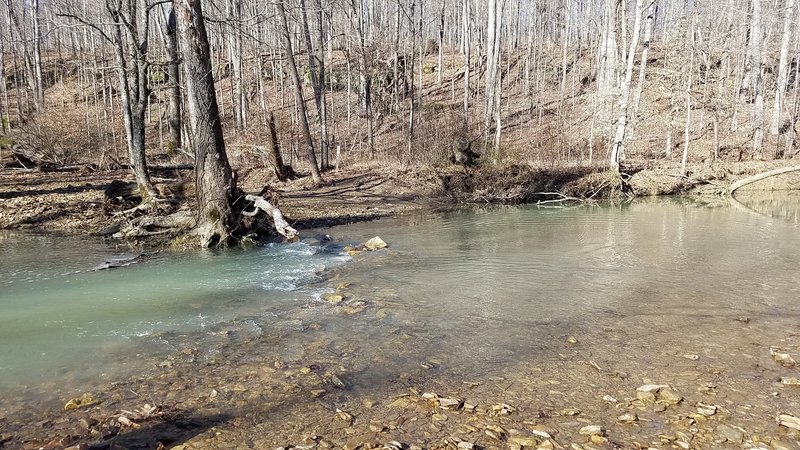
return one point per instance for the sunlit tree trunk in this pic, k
(38, 85)
(175, 120)
(213, 177)
(783, 71)
(622, 120)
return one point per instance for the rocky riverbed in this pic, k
(632, 382)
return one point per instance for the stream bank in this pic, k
(77, 202)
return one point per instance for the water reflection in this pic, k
(784, 205)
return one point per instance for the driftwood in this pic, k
(758, 177)
(281, 225)
(122, 261)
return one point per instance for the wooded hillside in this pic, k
(555, 82)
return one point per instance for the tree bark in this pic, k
(175, 121)
(275, 157)
(622, 120)
(38, 91)
(652, 11)
(133, 73)
(298, 93)
(783, 70)
(213, 177)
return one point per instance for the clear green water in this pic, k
(472, 291)
(60, 318)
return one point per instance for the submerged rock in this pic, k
(783, 358)
(591, 430)
(730, 434)
(84, 400)
(706, 410)
(334, 299)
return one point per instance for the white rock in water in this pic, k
(375, 243)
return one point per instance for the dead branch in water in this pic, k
(561, 198)
(281, 225)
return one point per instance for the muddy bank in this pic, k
(77, 202)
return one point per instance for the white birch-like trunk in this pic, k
(783, 68)
(617, 148)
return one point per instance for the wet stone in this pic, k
(375, 243)
(669, 396)
(789, 421)
(590, 430)
(790, 381)
(730, 434)
(706, 410)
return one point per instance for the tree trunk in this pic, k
(652, 11)
(275, 157)
(685, 158)
(5, 114)
(317, 77)
(783, 71)
(298, 93)
(494, 31)
(132, 108)
(213, 177)
(467, 61)
(622, 120)
(175, 121)
(38, 91)
(440, 61)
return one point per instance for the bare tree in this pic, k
(622, 120)
(783, 71)
(298, 92)
(213, 176)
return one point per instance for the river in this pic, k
(569, 305)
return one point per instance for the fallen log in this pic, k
(758, 177)
(281, 225)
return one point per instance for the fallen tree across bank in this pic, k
(760, 176)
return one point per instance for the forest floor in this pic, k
(76, 202)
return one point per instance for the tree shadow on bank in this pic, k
(163, 434)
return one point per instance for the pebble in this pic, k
(780, 445)
(789, 421)
(790, 381)
(730, 434)
(651, 387)
(706, 410)
(669, 397)
(591, 430)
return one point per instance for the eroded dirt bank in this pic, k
(77, 202)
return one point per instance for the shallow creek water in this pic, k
(559, 314)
